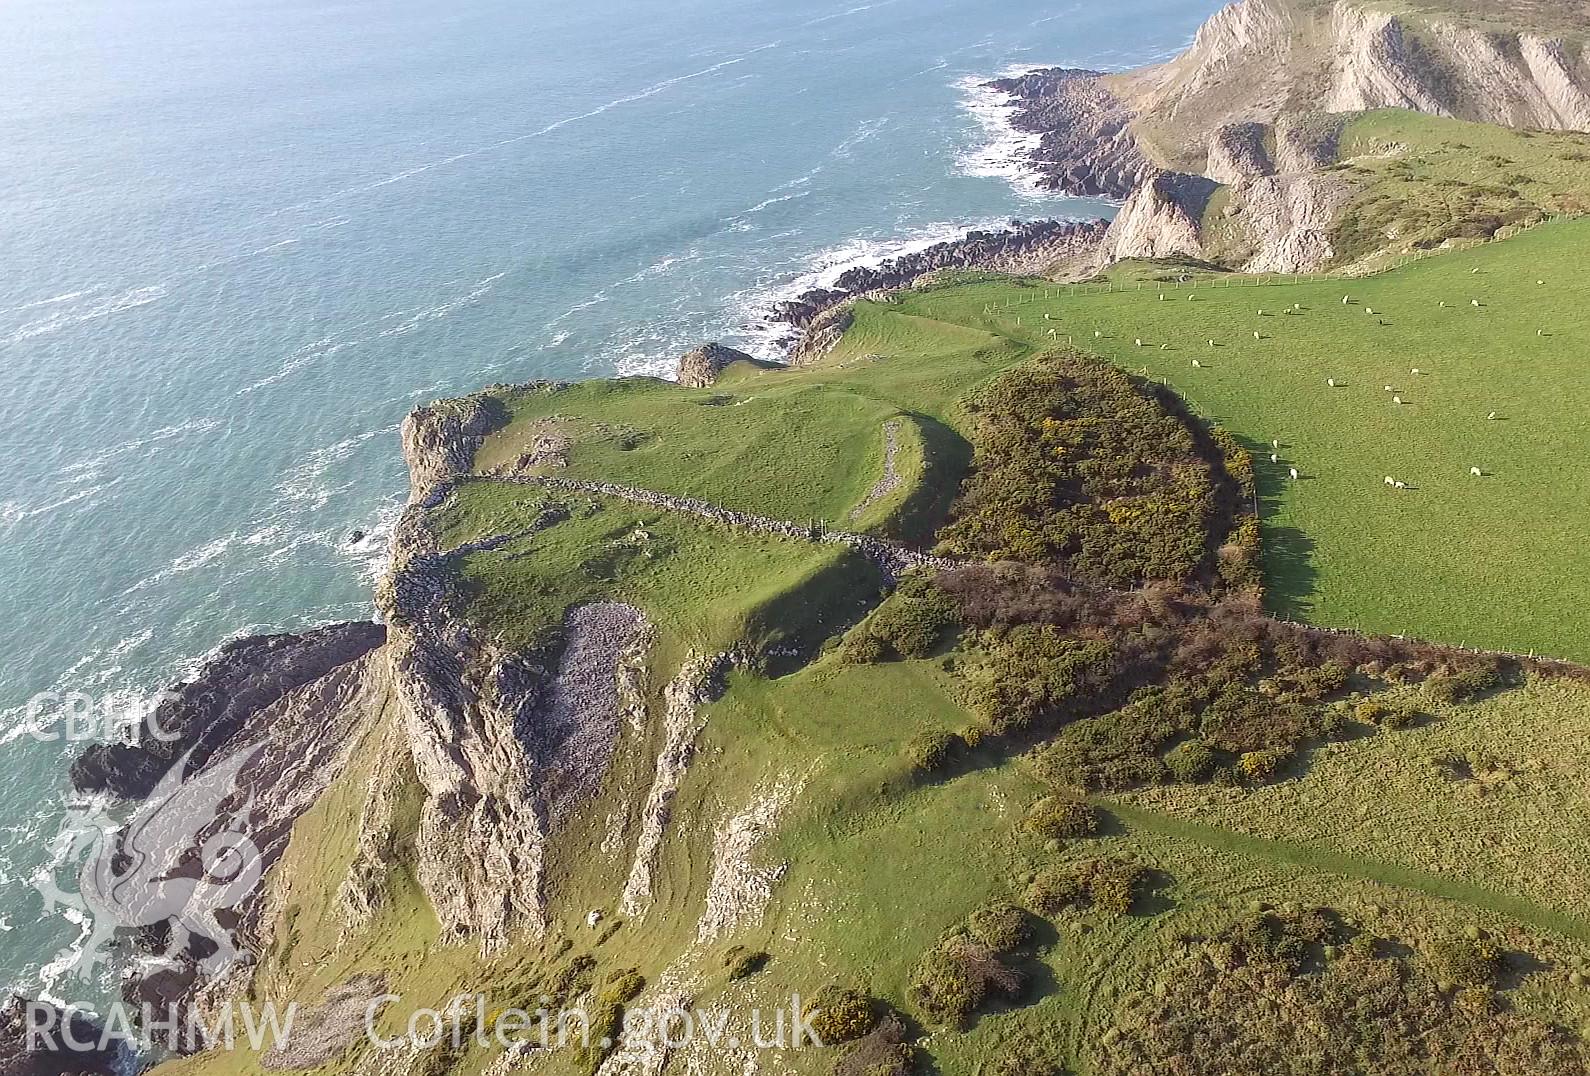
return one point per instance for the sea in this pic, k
(239, 241)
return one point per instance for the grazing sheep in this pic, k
(1197, 365)
(1443, 304)
(1540, 282)
(1414, 371)
(1164, 347)
(1476, 472)
(1275, 457)
(1190, 298)
(1474, 270)
(1211, 343)
(1097, 334)
(1161, 296)
(1491, 417)
(1256, 335)
(1540, 332)
(1331, 381)
(1138, 341)
(1397, 400)
(1390, 389)
(1474, 302)
(1390, 481)
(1293, 472)
(1275, 444)
(1346, 300)
(1369, 310)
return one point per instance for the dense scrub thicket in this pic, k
(1081, 466)
(1305, 993)
(1117, 690)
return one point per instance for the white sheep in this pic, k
(1256, 335)
(1097, 334)
(1390, 481)
(1211, 343)
(1540, 282)
(1402, 485)
(1397, 400)
(1197, 365)
(1275, 458)
(1138, 341)
(593, 918)
(1293, 472)
(1346, 300)
(1390, 389)
(1164, 347)
(1331, 381)
(1475, 270)
(1369, 310)
(1443, 304)
(1476, 472)
(1275, 444)
(1414, 371)
(1161, 296)
(1474, 302)
(1540, 332)
(1491, 417)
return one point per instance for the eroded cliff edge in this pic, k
(1257, 103)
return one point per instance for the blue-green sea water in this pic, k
(240, 240)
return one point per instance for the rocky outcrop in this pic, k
(463, 705)
(1307, 141)
(1085, 142)
(1237, 152)
(1030, 247)
(440, 441)
(38, 1039)
(223, 705)
(700, 368)
(1288, 219)
(698, 682)
(1162, 219)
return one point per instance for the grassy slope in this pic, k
(1421, 180)
(1342, 549)
(878, 867)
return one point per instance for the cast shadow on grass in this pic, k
(946, 457)
(1291, 581)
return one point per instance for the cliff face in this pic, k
(1257, 103)
(1256, 59)
(1161, 219)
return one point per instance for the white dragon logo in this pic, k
(128, 878)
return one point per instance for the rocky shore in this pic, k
(212, 712)
(1086, 145)
(1025, 247)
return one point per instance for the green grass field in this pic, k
(1491, 561)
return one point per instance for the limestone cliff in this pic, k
(1161, 219)
(1257, 103)
(1256, 60)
